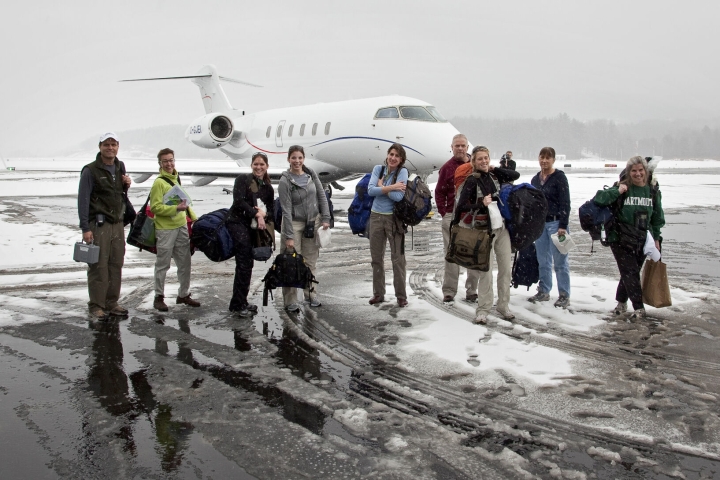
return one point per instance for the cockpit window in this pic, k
(433, 111)
(389, 112)
(416, 113)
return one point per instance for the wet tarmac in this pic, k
(338, 391)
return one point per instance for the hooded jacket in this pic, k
(301, 203)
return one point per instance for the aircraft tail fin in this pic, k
(208, 81)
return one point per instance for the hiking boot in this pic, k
(118, 311)
(98, 313)
(293, 308)
(187, 301)
(402, 302)
(252, 307)
(506, 315)
(472, 298)
(159, 303)
(539, 297)
(448, 298)
(480, 320)
(563, 301)
(314, 302)
(620, 308)
(376, 299)
(638, 314)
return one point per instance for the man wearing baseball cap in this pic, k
(101, 208)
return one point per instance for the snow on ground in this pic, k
(457, 340)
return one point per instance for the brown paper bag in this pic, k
(655, 286)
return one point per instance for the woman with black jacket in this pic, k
(250, 193)
(554, 185)
(487, 179)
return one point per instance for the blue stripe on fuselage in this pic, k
(367, 138)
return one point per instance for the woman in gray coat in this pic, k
(304, 211)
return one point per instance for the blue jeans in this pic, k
(547, 255)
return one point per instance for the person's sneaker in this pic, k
(293, 307)
(620, 308)
(159, 303)
(98, 313)
(480, 320)
(187, 301)
(448, 298)
(118, 311)
(402, 302)
(472, 298)
(539, 297)
(639, 313)
(314, 302)
(563, 301)
(243, 312)
(252, 307)
(376, 299)
(506, 315)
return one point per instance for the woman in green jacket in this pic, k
(171, 233)
(638, 211)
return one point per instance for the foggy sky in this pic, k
(621, 60)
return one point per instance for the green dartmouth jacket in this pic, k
(636, 199)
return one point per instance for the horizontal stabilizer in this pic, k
(186, 77)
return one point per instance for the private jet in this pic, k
(342, 140)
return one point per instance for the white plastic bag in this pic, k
(496, 220)
(650, 250)
(564, 244)
(322, 237)
(261, 206)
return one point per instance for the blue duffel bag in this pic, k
(211, 236)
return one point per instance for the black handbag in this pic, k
(130, 213)
(262, 245)
(142, 231)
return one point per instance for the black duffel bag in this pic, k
(211, 236)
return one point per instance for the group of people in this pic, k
(101, 209)
(470, 203)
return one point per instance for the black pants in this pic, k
(243, 265)
(630, 260)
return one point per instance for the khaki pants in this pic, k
(173, 244)
(105, 276)
(310, 252)
(452, 271)
(503, 254)
(384, 228)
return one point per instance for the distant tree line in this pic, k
(601, 138)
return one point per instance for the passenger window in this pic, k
(314, 131)
(279, 131)
(290, 130)
(267, 134)
(416, 113)
(327, 128)
(302, 129)
(389, 112)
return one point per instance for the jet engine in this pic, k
(210, 131)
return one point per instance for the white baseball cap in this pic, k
(107, 135)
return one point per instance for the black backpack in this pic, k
(415, 204)
(525, 269)
(288, 270)
(526, 208)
